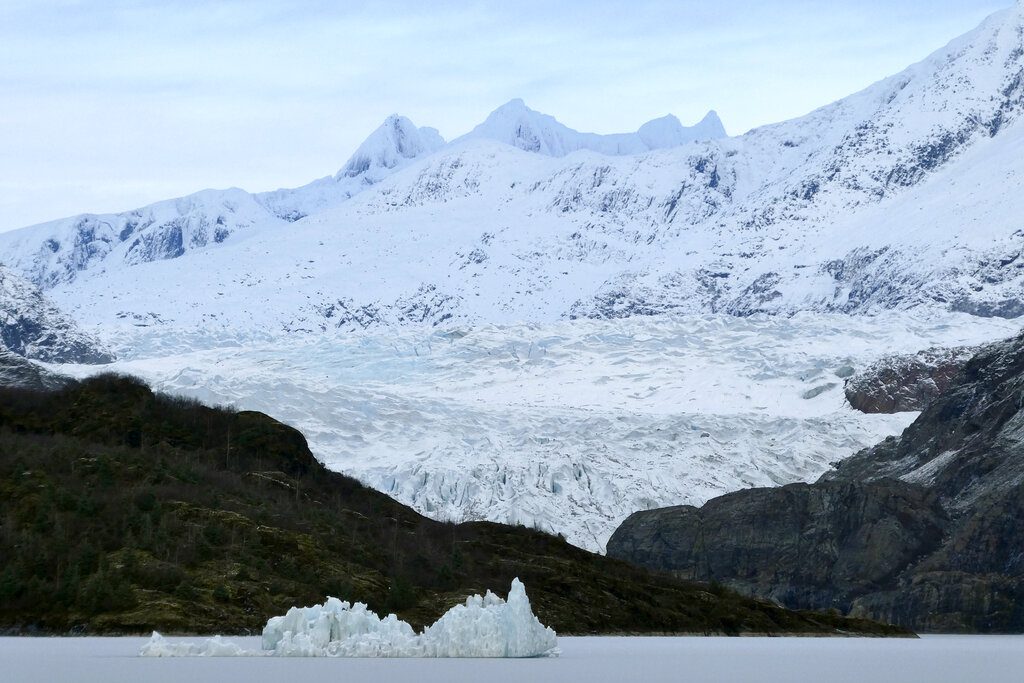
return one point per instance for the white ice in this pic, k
(568, 427)
(483, 627)
(158, 646)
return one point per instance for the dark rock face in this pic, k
(810, 547)
(31, 326)
(925, 530)
(16, 371)
(903, 383)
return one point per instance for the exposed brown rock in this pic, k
(909, 382)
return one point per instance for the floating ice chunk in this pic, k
(490, 627)
(483, 627)
(158, 646)
(339, 629)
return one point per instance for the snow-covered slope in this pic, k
(899, 196)
(517, 125)
(59, 251)
(32, 327)
(394, 145)
(53, 253)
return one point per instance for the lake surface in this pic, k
(932, 659)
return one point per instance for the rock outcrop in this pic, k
(33, 327)
(16, 371)
(908, 382)
(925, 530)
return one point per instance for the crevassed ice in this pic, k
(483, 627)
(568, 427)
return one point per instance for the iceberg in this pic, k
(339, 629)
(490, 627)
(158, 646)
(485, 626)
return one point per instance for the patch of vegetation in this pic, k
(123, 511)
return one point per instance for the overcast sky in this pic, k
(109, 105)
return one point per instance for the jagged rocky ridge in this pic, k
(173, 228)
(893, 197)
(31, 326)
(924, 530)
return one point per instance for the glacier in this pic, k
(485, 626)
(570, 426)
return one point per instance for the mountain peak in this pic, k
(515, 104)
(712, 124)
(395, 142)
(711, 117)
(668, 131)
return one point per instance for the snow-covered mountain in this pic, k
(903, 196)
(395, 143)
(59, 251)
(517, 125)
(895, 197)
(393, 146)
(32, 327)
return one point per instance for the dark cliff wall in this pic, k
(925, 530)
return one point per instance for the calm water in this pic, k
(934, 659)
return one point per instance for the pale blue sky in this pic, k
(107, 105)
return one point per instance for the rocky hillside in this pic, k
(33, 327)
(924, 530)
(127, 511)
